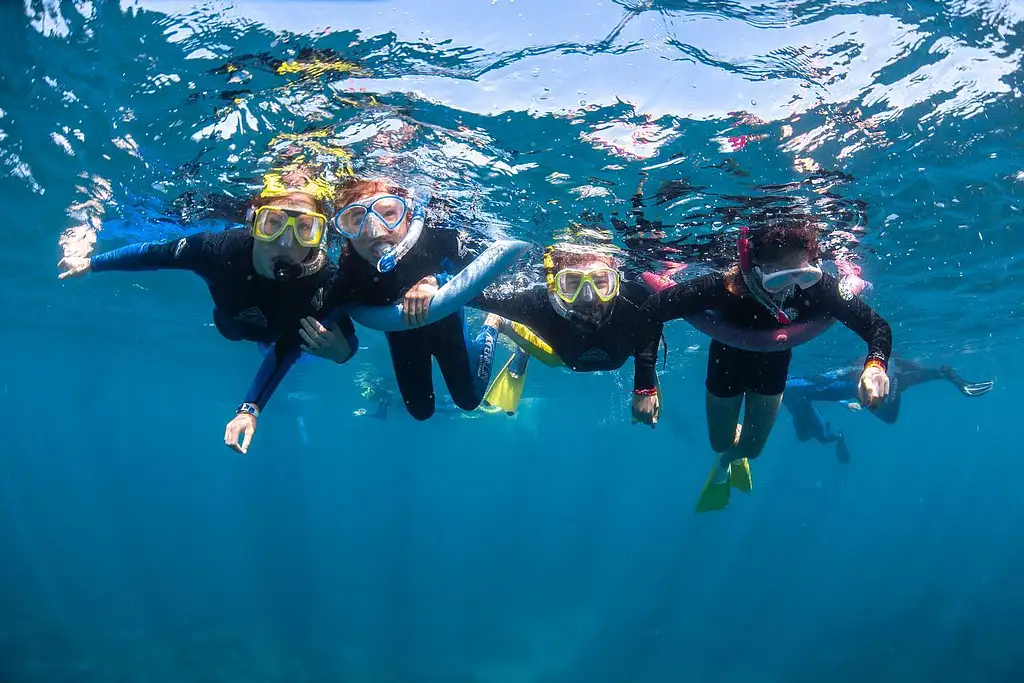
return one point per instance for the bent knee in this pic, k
(420, 410)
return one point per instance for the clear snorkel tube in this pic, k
(393, 254)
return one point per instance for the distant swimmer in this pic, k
(840, 386)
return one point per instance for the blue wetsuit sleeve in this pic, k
(187, 253)
(275, 366)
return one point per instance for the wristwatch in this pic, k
(248, 408)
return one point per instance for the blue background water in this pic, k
(559, 546)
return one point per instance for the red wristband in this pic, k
(646, 392)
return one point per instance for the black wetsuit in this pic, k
(246, 305)
(466, 366)
(733, 371)
(627, 331)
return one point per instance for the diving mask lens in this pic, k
(571, 283)
(270, 223)
(389, 210)
(781, 279)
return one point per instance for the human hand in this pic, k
(328, 343)
(873, 386)
(417, 301)
(74, 266)
(244, 425)
(646, 409)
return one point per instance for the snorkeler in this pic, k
(582, 316)
(268, 282)
(393, 254)
(777, 282)
(840, 386)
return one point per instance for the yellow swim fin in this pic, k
(714, 496)
(507, 388)
(739, 475)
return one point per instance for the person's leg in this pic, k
(966, 388)
(807, 419)
(765, 382)
(466, 367)
(758, 419)
(410, 356)
(910, 374)
(724, 396)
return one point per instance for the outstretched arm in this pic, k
(196, 253)
(688, 298)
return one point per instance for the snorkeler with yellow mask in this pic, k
(582, 316)
(268, 282)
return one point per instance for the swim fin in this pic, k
(715, 495)
(739, 475)
(507, 388)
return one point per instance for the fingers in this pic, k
(313, 334)
(250, 429)
(313, 326)
(231, 437)
(244, 426)
(407, 308)
(421, 309)
(414, 308)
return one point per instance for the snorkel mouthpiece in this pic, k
(285, 269)
(388, 260)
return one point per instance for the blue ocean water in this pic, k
(558, 546)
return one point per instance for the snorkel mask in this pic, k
(752, 278)
(389, 211)
(269, 224)
(592, 286)
(769, 289)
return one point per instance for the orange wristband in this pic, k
(875, 363)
